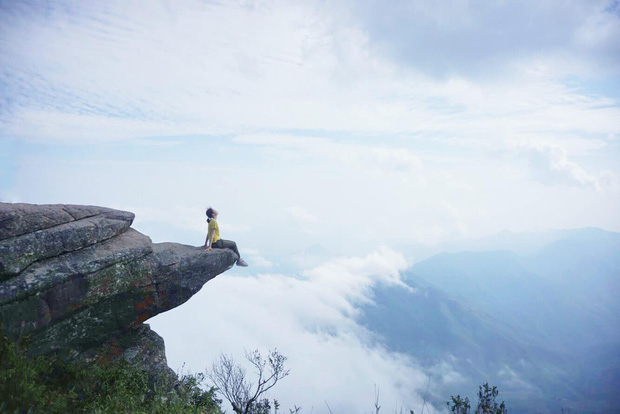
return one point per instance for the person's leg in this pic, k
(228, 244)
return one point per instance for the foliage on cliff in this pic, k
(46, 384)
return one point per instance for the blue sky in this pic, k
(353, 125)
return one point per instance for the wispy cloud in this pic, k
(111, 72)
(254, 257)
(550, 165)
(301, 215)
(374, 159)
(512, 379)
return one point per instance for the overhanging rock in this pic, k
(79, 281)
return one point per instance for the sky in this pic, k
(355, 128)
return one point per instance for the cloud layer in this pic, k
(471, 36)
(312, 321)
(112, 72)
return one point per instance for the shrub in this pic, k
(47, 384)
(486, 402)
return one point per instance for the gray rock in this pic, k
(79, 282)
(22, 249)
(127, 247)
(17, 219)
(140, 346)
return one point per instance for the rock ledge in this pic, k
(79, 281)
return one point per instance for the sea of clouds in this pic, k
(311, 319)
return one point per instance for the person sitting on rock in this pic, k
(213, 237)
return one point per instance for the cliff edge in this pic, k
(80, 282)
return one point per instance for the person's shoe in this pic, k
(242, 263)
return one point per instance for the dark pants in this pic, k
(226, 244)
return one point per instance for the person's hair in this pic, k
(209, 214)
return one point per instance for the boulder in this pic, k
(79, 282)
(24, 240)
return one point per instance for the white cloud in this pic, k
(236, 227)
(86, 74)
(512, 379)
(550, 165)
(63, 126)
(308, 223)
(254, 257)
(446, 374)
(310, 320)
(301, 215)
(381, 161)
(481, 38)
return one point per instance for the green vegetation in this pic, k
(46, 384)
(486, 402)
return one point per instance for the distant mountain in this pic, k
(585, 266)
(541, 326)
(590, 257)
(518, 242)
(434, 324)
(494, 282)
(521, 243)
(463, 347)
(564, 296)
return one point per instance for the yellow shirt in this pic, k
(216, 230)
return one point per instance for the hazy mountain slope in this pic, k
(498, 284)
(463, 347)
(543, 327)
(435, 325)
(564, 295)
(585, 267)
(590, 257)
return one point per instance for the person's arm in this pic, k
(209, 240)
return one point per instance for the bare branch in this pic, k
(231, 380)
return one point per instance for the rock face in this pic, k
(78, 281)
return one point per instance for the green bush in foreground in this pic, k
(46, 384)
(486, 402)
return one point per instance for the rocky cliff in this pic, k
(79, 281)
